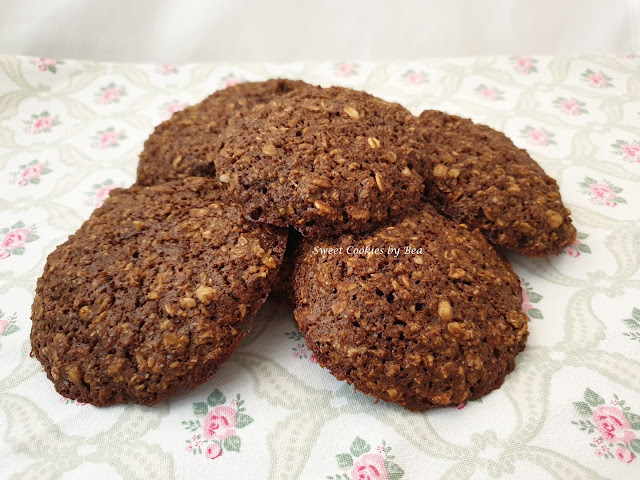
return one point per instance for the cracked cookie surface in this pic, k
(184, 144)
(322, 160)
(477, 176)
(153, 292)
(423, 330)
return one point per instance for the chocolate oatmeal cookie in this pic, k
(423, 329)
(183, 145)
(322, 160)
(477, 176)
(153, 292)
(282, 289)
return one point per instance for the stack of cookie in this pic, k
(389, 223)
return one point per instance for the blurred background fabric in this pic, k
(290, 30)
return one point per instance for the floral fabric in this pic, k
(71, 131)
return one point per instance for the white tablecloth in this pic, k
(70, 131)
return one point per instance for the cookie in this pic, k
(323, 161)
(184, 144)
(282, 289)
(438, 324)
(477, 176)
(153, 292)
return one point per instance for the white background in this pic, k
(281, 30)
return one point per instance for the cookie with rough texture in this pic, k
(282, 288)
(422, 330)
(153, 292)
(184, 144)
(322, 160)
(477, 176)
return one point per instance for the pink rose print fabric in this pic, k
(578, 246)
(414, 78)
(490, 94)
(46, 64)
(171, 107)
(217, 431)
(614, 426)
(110, 94)
(99, 193)
(8, 324)
(524, 65)
(70, 134)
(602, 190)
(70, 401)
(596, 79)
(213, 451)
(231, 80)
(364, 464)
(220, 423)
(15, 239)
(538, 136)
(624, 455)
(370, 466)
(41, 123)
(108, 138)
(570, 106)
(300, 350)
(602, 193)
(167, 69)
(346, 70)
(30, 173)
(628, 150)
(529, 299)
